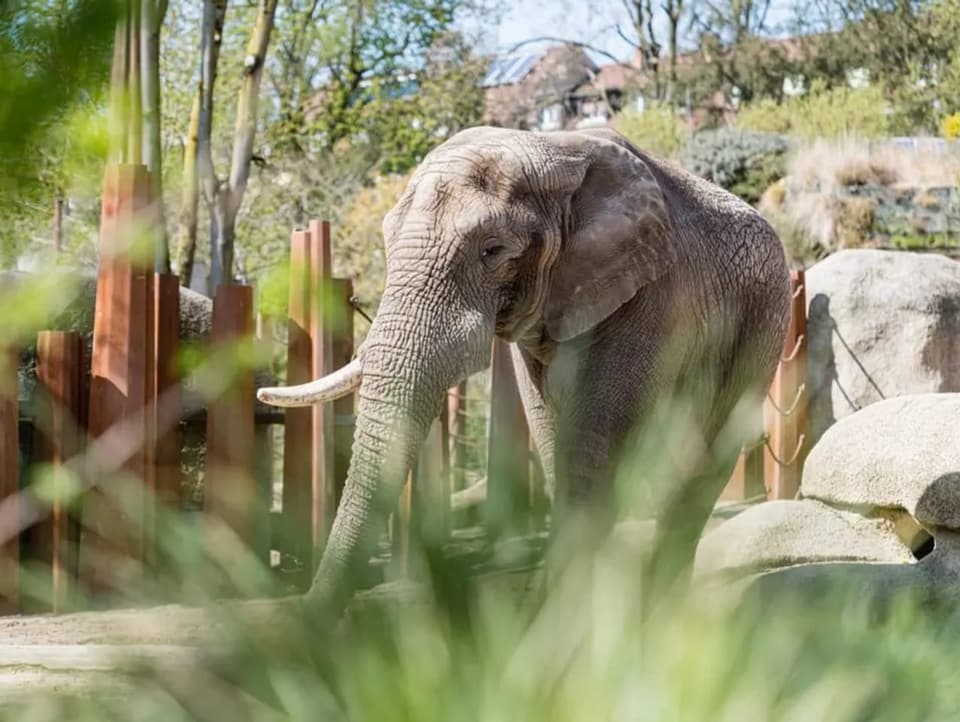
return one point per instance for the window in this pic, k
(551, 117)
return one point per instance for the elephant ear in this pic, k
(617, 237)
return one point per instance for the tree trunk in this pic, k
(674, 11)
(190, 205)
(151, 21)
(58, 222)
(230, 195)
(118, 113)
(135, 127)
(198, 156)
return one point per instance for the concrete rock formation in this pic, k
(881, 324)
(876, 488)
(902, 453)
(779, 534)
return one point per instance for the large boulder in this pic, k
(880, 324)
(902, 453)
(785, 533)
(933, 582)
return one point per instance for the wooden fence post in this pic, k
(229, 484)
(786, 405)
(9, 474)
(323, 501)
(112, 535)
(508, 458)
(58, 439)
(344, 408)
(747, 480)
(298, 422)
(168, 442)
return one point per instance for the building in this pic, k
(556, 88)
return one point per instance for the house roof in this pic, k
(612, 76)
(510, 69)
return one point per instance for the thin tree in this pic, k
(152, 13)
(222, 196)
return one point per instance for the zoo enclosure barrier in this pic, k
(771, 466)
(131, 418)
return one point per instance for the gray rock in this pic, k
(902, 453)
(881, 324)
(934, 582)
(778, 534)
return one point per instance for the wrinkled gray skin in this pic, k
(619, 278)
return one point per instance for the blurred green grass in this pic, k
(580, 656)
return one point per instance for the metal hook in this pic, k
(796, 452)
(796, 349)
(793, 406)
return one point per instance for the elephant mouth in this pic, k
(340, 383)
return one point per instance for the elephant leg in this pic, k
(680, 523)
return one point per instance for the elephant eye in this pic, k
(491, 250)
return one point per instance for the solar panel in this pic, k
(494, 73)
(510, 69)
(506, 71)
(522, 67)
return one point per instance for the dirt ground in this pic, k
(82, 652)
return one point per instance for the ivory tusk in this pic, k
(329, 388)
(473, 495)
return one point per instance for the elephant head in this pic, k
(535, 238)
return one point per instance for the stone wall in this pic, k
(908, 211)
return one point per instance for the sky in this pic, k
(566, 19)
(593, 22)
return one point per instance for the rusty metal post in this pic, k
(9, 474)
(298, 422)
(112, 535)
(167, 454)
(323, 499)
(786, 405)
(507, 508)
(58, 439)
(343, 409)
(229, 484)
(747, 480)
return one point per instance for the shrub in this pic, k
(743, 162)
(821, 113)
(658, 129)
(854, 221)
(950, 126)
(866, 171)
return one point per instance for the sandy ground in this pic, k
(81, 653)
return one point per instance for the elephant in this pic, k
(620, 282)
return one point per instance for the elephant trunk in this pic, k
(400, 394)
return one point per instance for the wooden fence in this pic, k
(130, 417)
(770, 467)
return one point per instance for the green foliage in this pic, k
(658, 129)
(923, 241)
(743, 162)
(820, 113)
(344, 64)
(447, 98)
(54, 56)
(910, 52)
